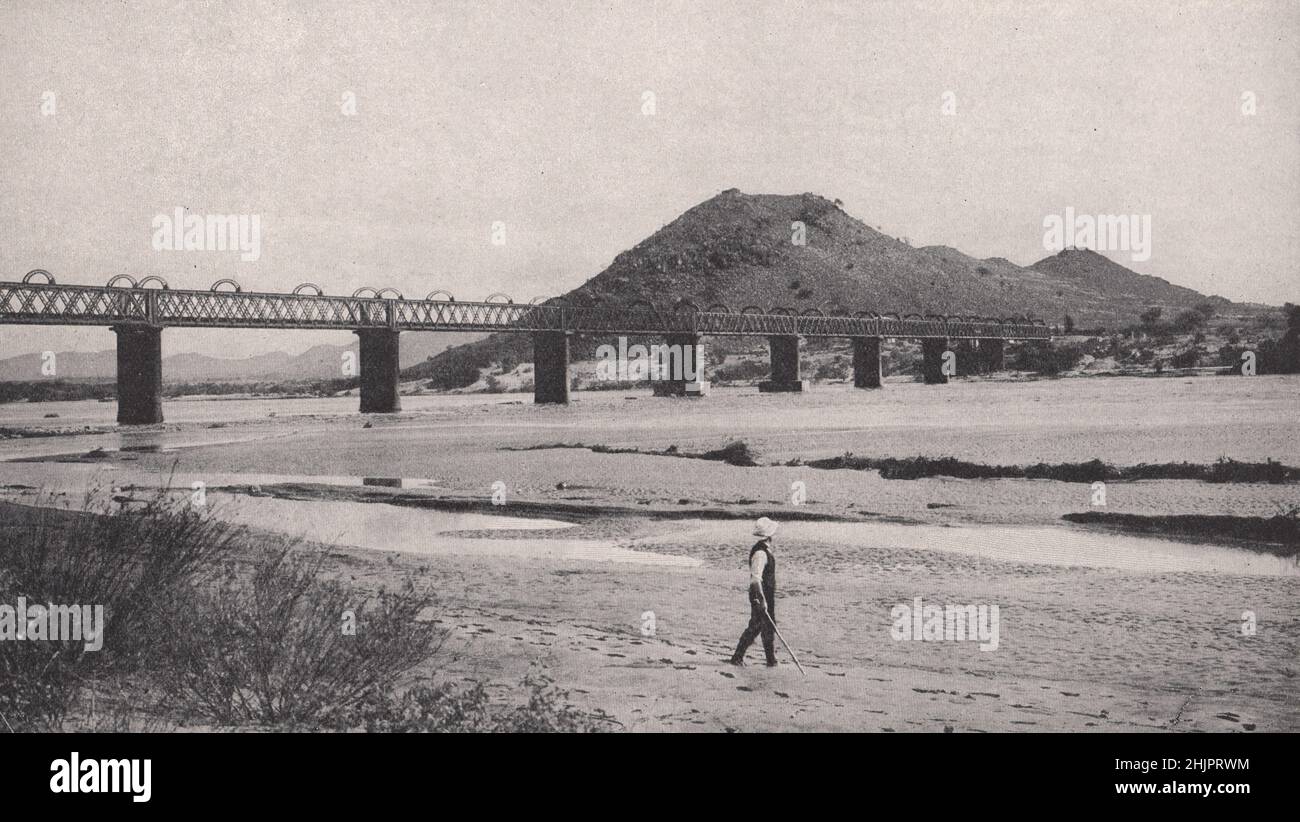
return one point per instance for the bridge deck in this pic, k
(52, 304)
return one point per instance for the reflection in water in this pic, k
(83, 477)
(150, 448)
(380, 482)
(92, 412)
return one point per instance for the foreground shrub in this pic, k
(284, 644)
(199, 623)
(129, 560)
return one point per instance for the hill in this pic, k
(739, 250)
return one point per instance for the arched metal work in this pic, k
(48, 303)
(432, 295)
(151, 279)
(298, 289)
(492, 298)
(397, 295)
(49, 278)
(238, 288)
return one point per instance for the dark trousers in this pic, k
(759, 625)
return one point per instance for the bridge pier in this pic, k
(784, 353)
(380, 370)
(551, 367)
(932, 361)
(139, 374)
(683, 358)
(992, 355)
(866, 362)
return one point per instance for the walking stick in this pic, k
(772, 622)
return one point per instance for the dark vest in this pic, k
(769, 573)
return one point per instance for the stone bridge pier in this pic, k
(784, 353)
(380, 370)
(551, 367)
(992, 355)
(866, 362)
(139, 374)
(681, 365)
(932, 361)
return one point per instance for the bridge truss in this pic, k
(52, 304)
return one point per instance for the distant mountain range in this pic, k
(318, 362)
(738, 250)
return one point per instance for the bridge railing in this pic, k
(51, 304)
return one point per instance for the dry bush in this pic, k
(280, 643)
(202, 622)
(129, 560)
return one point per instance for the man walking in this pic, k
(762, 595)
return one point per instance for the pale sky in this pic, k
(533, 115)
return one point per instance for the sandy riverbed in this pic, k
(1098, 646)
